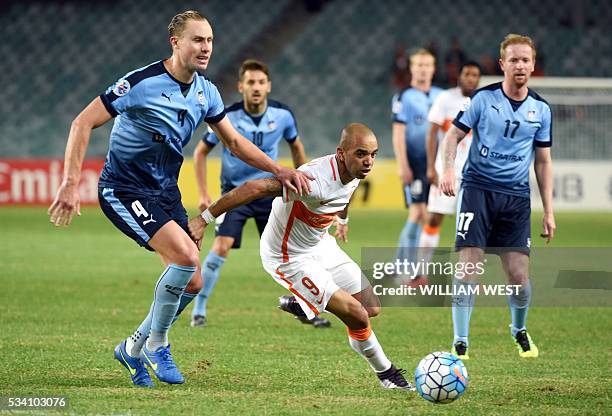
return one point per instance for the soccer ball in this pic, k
(441, 377)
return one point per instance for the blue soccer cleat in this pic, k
(138, 372)
(162, 364)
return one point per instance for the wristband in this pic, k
(207, 216)
(342, 221)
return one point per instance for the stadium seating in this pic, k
(61, 54)
(338, 69)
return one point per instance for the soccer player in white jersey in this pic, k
(512, 126)
(442, 112)
(157, 109)
(299, 253)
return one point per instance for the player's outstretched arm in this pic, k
(67, 200)
(401, 153)
(245, 193)
(449, 152)
(294, 180)
(544, 176)
(199, 164)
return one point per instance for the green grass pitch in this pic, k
(70, 295)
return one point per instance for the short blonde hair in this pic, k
(423, 52)
(178, 22)
(514, 39)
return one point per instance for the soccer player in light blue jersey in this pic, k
(157, 108)
(410, 108)
(266, 122)
(510, 123)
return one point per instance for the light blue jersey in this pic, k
(411, 107)
(505, 133)
(156, 116)
(265, 131)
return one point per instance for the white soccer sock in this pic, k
(430, 239)
(371, 351)
(134, 343)
(157, 339)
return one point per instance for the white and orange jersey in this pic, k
(443, 111)
(297, 224)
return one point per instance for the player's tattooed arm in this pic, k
(449, 147)
(449, 152)
(247, 192)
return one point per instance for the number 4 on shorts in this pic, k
(139, 210)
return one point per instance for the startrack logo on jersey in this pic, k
(201, 97)
(484, 152)
(121, 88)
(503, 156)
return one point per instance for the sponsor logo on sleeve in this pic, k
(397, 106)
(122, 87)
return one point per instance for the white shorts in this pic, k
(314, 277)
(439, 203)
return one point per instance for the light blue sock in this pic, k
(166, 300)
(519, 306)
(211, 270)
(135, 341)
(409, 241)
(462, 305)
(186, 299)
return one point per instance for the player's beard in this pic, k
(520, 80)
